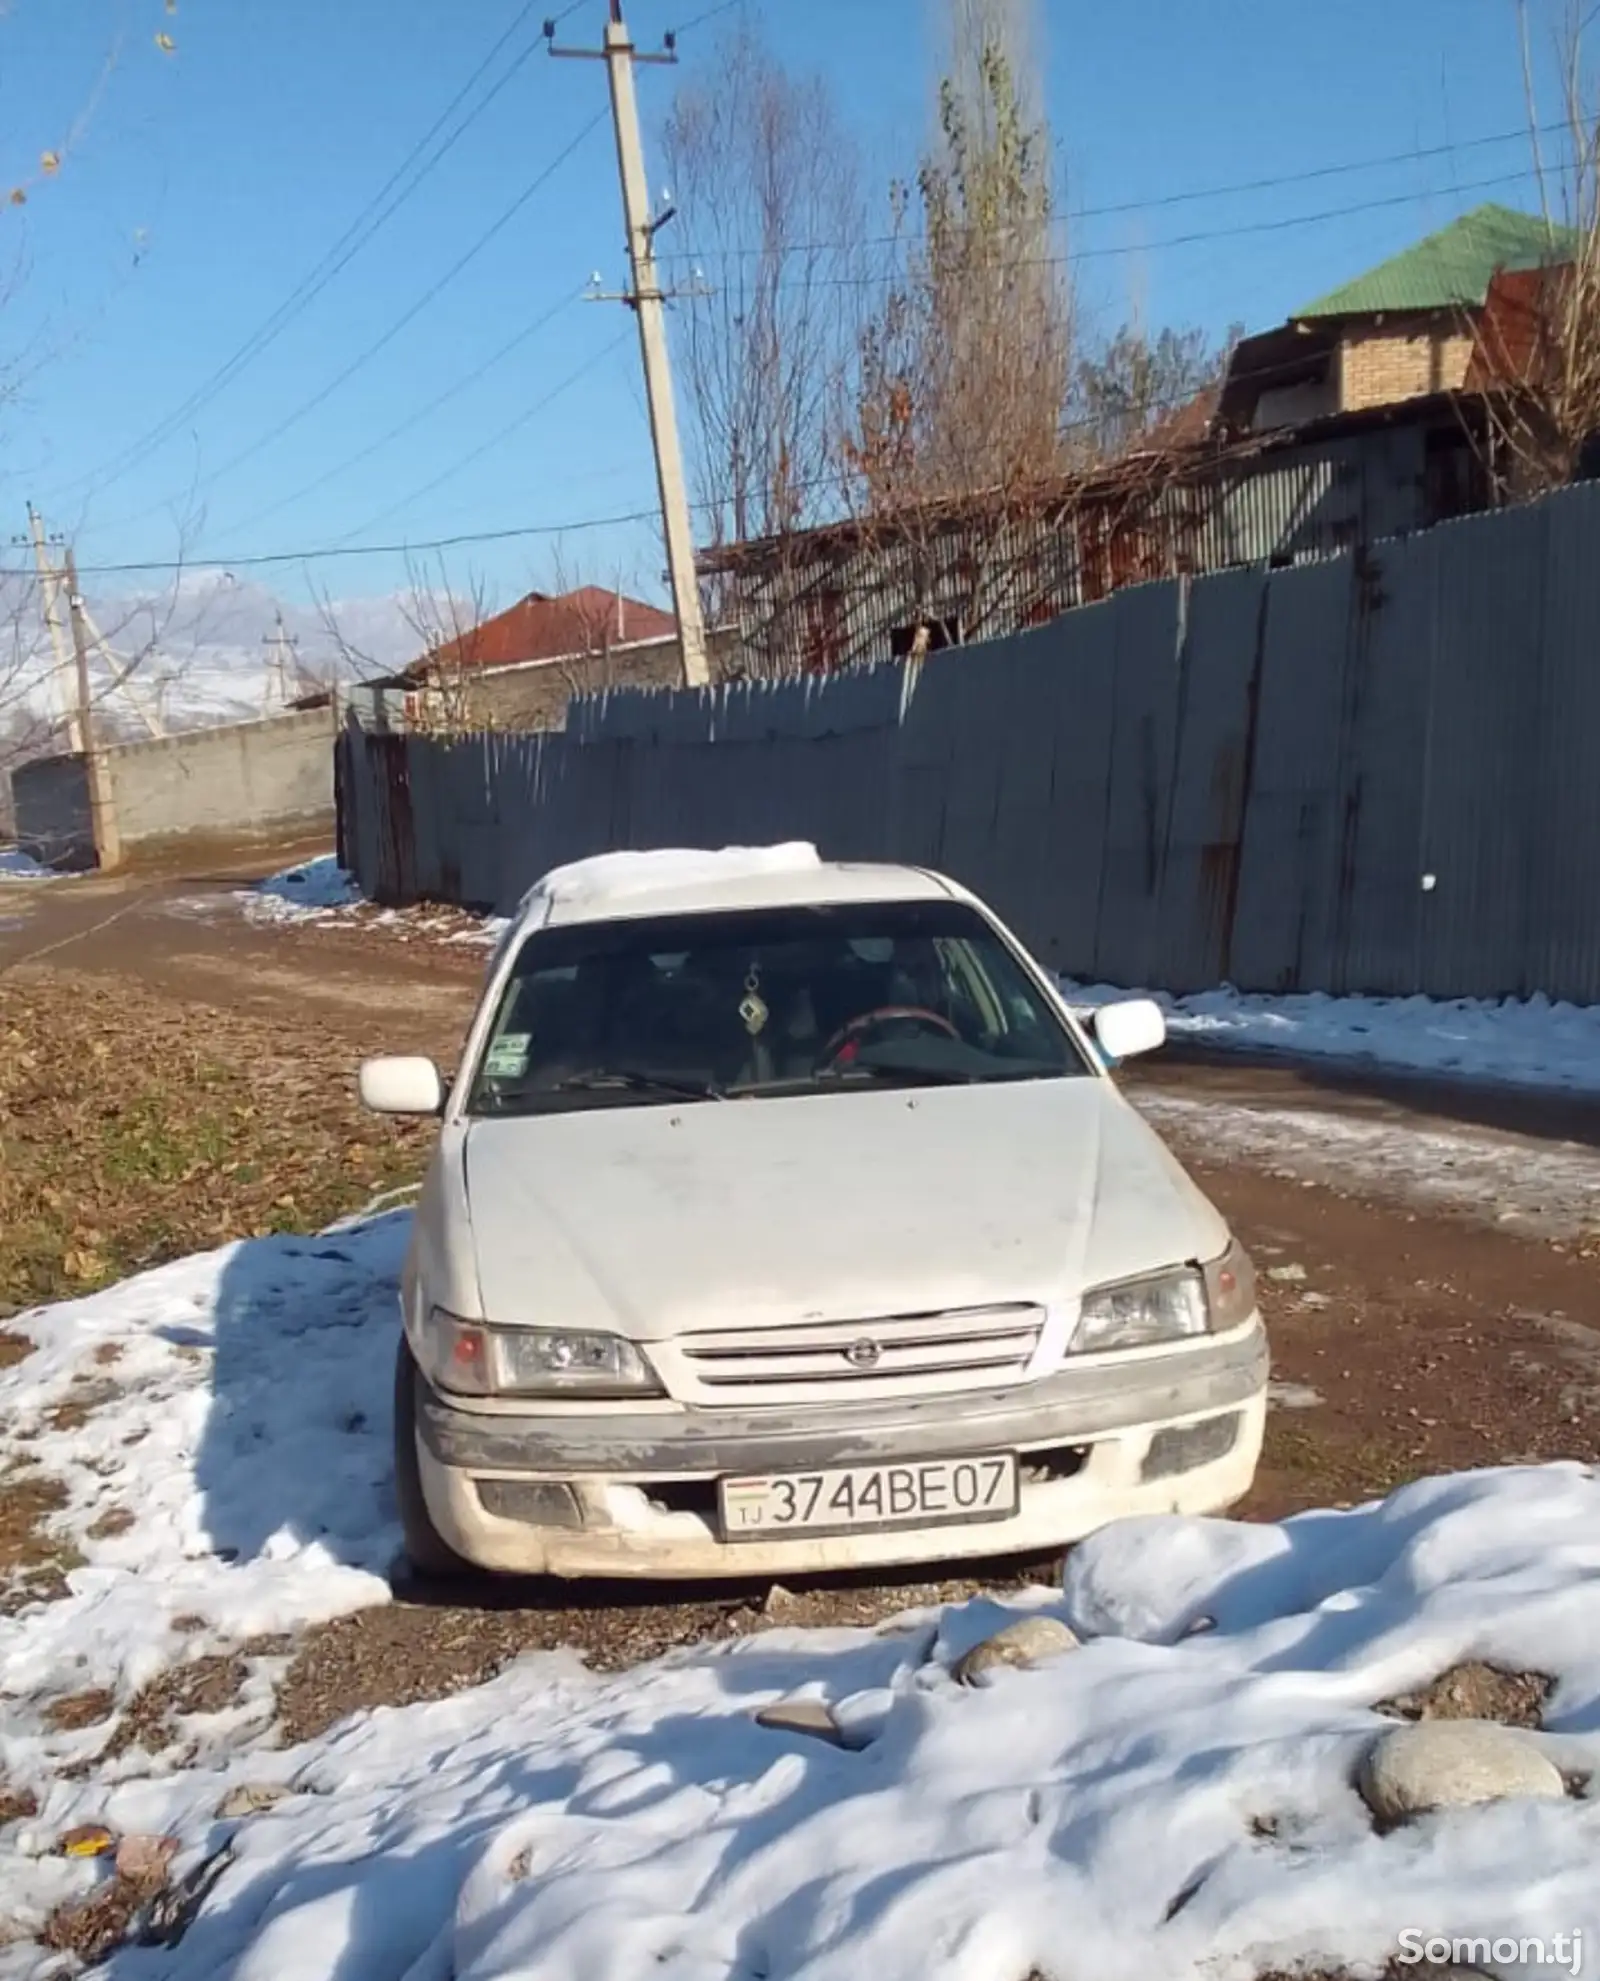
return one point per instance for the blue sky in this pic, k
(206, 184)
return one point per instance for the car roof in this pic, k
(689, 881)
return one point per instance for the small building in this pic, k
(519, 669)
(1406, 329)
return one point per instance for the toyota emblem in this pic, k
(863, 1354)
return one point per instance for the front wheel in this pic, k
(426, 1549)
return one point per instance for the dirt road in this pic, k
(1428, 1251)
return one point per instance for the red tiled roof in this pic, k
(543, 626)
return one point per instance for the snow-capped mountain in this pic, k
(205, 649)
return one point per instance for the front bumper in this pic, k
(1093, 1434)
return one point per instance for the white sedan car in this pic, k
(783, 1219)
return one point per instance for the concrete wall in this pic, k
(50, 806)
(248, 779)
(1373, 773)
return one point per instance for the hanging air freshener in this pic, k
(752, 1006)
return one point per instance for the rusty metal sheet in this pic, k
(1220, 660)
(1383, 740)
(1560, 883)
(1283, 927)
(1483, 770)
(1148, 631)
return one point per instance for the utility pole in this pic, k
(648, 302)
(102, 817)
(49, 578)
(80, 651)
(283, 669)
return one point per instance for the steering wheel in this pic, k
(846, 1042)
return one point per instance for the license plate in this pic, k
(932, 1492)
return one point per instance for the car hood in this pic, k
(658, 1220)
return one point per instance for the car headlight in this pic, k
(481, 1361)
(1169, 1306)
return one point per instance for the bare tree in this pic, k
(768, 186)
(1131, 390)
(447, 619)
(449, 622)
(966, 369)
(1537, 342)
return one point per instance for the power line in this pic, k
(1259, 375)
(355, 237)
(462, 384)
(321, 553)
(408, 316)
(500, 434)
(1341, 169)
(1279, 225)
(710, 14)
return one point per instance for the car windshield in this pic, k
(770, 1001)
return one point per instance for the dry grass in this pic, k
(77, 1710)
(134, 1130)
(33, 1561)
(93, 1928)
(1476, 1691)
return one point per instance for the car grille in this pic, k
(843, 1361)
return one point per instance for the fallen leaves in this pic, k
(135, 1129)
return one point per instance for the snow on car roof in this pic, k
(685, 880)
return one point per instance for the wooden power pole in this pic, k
(648, 302)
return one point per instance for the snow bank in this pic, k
(309, 891)
(230, 1414)
(1158, 1806)
(1533, 1043)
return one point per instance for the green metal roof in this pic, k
(1447, 268)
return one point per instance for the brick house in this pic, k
(1406, 329)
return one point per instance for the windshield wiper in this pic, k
(918, 1076)
(601, 1079)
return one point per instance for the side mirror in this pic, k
(401, 1086)
(1124, 1030)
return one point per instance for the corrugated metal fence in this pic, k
(1376, 773)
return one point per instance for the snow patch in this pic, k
(309, 891)
(232, 1412)
(1532, 1043)
(1166, 1803)
(1550, 1189)
(17, 865)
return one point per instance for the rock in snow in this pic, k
(1027, 1642)
(1442, 1764)
(802, 1716)
(250, 1799)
